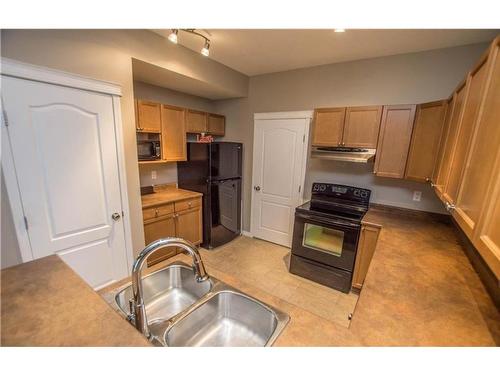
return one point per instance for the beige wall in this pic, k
(107, 55)
(408, 78)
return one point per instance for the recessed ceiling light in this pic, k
(339, 30)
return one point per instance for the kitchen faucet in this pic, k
(137, 306)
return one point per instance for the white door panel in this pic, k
(277, 175)
(64, 148)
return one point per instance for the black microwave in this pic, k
(148, 150)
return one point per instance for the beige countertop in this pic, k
(167, 195)
(45, 303)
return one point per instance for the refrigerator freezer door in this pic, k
(225, 160)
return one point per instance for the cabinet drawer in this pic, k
(153, 212)
(187, 204)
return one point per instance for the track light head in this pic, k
(173, 36)
(205, 51)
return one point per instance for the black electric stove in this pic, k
(326, 233)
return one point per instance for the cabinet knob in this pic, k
(156, 212)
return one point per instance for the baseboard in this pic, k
(411, 211)
(246, 234)
(486, 276)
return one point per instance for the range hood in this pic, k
(350, 154)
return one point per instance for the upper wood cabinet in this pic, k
(450, 104)
(426, 135)
(478, 194)
(148, 116)
(216, 124)
(173, 133)
(475, 84)
(478, 204)
(328, 127)
(196, 121)
(394, 140)
(362, 125)
(450, 141)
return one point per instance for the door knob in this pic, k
(257, 188)
(116, 216)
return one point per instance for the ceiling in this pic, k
(259, 51)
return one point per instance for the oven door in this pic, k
(328, 241)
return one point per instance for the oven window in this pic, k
(324, 239)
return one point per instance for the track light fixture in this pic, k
(205, 51)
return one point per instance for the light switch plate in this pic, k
(417, 195)
(153, 175)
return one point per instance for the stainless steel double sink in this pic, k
(184, 312)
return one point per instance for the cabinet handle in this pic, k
(449, 207)
(156, 212)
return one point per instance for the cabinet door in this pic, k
(473, 200)
(156, 229)
(424, 145)
(328, 127)
(450, 142)
(196, 122)
(366, 247)
(450, 105)
(148, 116)
(173, 133)
(465, 130)
(188, 225)
(394, 140)
(362, 125)
(216, 124)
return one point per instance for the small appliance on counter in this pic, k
(326, 233)
(214, 169)
(148, 146)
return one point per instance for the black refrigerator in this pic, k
(214, 169)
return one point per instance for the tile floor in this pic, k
(265, 266)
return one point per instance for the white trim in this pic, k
(13, 197)
(283, 115)
(246, 233)
(120, 150)
(18, 69)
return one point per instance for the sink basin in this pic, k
(167, 292)
(228, 318)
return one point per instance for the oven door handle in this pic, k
(328, 221)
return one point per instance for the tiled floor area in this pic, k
(421, 290)
(265, 266)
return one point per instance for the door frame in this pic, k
(294, 115)
(18, 69)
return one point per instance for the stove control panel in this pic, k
(343, 192)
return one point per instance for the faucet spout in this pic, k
(139, 307)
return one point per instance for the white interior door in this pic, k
(278, 158)
(65, 156)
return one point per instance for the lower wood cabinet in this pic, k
(159, 228)
(425, 139)
(182, 219)
(366, 247)
(394, 140)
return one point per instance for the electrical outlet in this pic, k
(153, 175)
(417, 195)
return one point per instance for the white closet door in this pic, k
(277, 171)
(64, 148)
